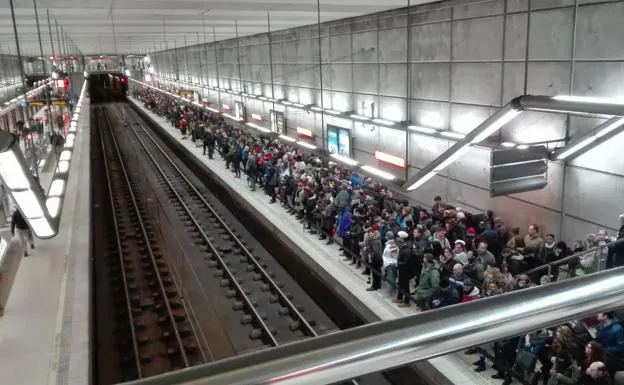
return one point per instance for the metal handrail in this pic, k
(380, 346)
(573, 256)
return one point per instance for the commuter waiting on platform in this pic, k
(610, 334)
(20, 231)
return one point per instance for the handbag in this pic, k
(526, 360)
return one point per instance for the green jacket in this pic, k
(429, 281)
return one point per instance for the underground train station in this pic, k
(311, 193)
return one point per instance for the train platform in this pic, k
(44, 333)
(450, 369)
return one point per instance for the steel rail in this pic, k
(293, 310)
(148, 246)
(213, 248)
(124, 275)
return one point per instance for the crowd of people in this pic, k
(428, 257)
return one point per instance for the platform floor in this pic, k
(46, 319)
(456, 367)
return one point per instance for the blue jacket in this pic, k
(611, 337)
(355, 180)
(344, 223)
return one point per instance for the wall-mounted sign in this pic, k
(255, 116)
(390, 159)
(37, 103)
(305, 132)
(59, 102)
(278, 122)
(185, 92)
(338, 140)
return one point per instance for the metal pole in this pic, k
(318, 23)
(186, 59)
(65, 54)
(240, 76)
(214, 38)
(110, 12)
(51, 40)
(271, 60)
(408, 88)
(205, 48)
(45, 71)
(58, 41)
(201, 69)
(23, 76)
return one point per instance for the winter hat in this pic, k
(460, 242)
(375, 227)
(471, 231)
(403, 235)
(468, 283)
(389, 235)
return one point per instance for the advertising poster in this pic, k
(338, 140)
(332, 139)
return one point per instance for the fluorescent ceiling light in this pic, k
(53, 204)
(287, 102)
(12, 172)
(287, 138)
(358, 117)
(496, 125)
(588, 99)
(263, 98)
(65, 155)
(28, 203)
(508, 144)
(334, 112)
(298, 105)
(576, 147)
(608, 128)
(379, 173)
(41, 227)
(424, 130)
(344, 159)
(57, 188)
(522, 146)
(231, 117)
(306, 145)
(315, 108)
(257, 127)
(384, 122)
(451, 134)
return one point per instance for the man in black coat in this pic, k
(19, 228)
(405, 269)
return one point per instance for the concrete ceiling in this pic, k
(139, 24)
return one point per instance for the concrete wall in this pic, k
(445, 65)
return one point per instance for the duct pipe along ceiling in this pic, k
(376, 347)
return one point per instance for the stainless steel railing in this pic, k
(380, 346)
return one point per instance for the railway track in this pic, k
(272, 313)
(251, 301)
(154, 335)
